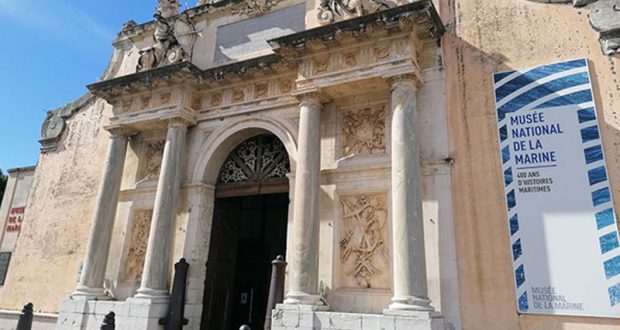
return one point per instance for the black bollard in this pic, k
(245, 327)
(276, 288)
(25, 318)
(108, 322)
(174, 320)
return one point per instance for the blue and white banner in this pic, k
(563, 232)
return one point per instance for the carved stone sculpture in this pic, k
(605, 18)
(166, 50)
(363, 131)
(54, 123)
(140, 225)
(168, 8)
(332, 10)
(153, 153)
(253, 8)
(363, 251)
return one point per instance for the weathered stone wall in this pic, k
(45, 265)
(485, 37)
(14, 206)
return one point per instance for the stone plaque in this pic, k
(5, 257)
(364, 253)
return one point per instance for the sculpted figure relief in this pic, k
(363, 250)
(331, 10)
(140, 225)
(167, 49)
(153, 153)
(253, 8)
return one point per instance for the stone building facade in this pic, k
(357, 138)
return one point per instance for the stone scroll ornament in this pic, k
(336, 10)
(167, 49)
(604, 17)
(254, 8)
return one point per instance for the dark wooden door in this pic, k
(220, 277)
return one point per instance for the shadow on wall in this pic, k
(246, 38)
(483, 230)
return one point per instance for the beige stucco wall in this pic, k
(46, 261)
(485, 37)
(13, 205)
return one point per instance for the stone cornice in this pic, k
(389, 20)
(186, 72)
(420, 16)
(174, 73)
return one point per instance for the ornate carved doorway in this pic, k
(248, 231)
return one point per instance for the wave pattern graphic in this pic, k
(548, 86)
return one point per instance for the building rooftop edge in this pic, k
(21, 169)
(294, 40)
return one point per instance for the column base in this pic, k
(87, 293)
(302, 298)
(156, 296)
(410, 303)
(300, 317)
(137, 314)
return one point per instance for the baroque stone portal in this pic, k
(363, 253)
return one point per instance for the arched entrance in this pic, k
(248, 231)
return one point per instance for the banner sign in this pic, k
(563, 232)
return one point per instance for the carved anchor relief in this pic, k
(362, 242)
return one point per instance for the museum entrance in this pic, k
(249, 230)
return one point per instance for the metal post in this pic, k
(276, 288)
(244, 327)
(108, 322)
(174, 319)
(25, 318)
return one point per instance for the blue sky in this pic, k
(50, 51)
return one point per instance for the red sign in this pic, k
(14, 221)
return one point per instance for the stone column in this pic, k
(409, 263)
(159, 249)
(94, 267)
(303, 268)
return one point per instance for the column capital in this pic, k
(179, 121)
(121, 130)
(316, 97)
(408, 78)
